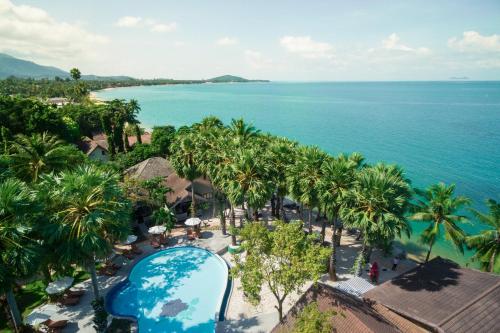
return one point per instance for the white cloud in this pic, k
(128, 21)
(153, 25)
(225, 41)
(30, 31)
(473, 41)
(393, 42)
(306, 47)
(256, 60)
(162, 27)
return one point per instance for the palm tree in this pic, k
(18, 256)
(438, 206)
(282, 154)
(41, 153)
(133, 109)
(89, 213)
(242, 132)
(377, 205)
(487, 242)
(304, 177)
(250, 181)
(338, 179)
(184, 161)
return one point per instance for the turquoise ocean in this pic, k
(437, 131)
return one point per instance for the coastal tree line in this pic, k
(54, 200)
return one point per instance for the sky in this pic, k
(260, 39)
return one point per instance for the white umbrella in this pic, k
(191, 222)
(59, 286)
(157, 229)
(130, 239)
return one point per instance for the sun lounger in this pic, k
(106, 271)
(75, 293)
(70, 300)
(54, 324)
(155, 244)
(127, 254)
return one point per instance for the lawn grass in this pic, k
(32, 295)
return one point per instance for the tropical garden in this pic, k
(61, 212)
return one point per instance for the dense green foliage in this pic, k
(487, 242)
(28, 116)
(312, 320)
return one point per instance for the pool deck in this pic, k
(241, 316)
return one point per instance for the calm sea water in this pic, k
(438, 131)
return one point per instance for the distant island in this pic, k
(459, 78)
(23, 69)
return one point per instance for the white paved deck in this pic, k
(241, 316)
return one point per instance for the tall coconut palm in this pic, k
(338, 179)
(304, 178)
(133, 109)
(89, 213)
(439, 206)
(282, 154)
(41, 153)
(184, 162)
(487, 242)
(242, 132)
(18, 256)
(377, 205)
(250, 180)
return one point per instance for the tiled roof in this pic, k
(353, 315)
(443, 296)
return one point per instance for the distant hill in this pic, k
(10, 66)
(231, 78)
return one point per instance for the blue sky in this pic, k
(277, 40)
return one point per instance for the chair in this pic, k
(136, 250)
(190, 234)
(155, 244)
(163, 240)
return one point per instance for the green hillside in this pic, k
(10, 66)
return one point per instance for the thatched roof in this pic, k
(181, 188)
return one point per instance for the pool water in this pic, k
(175, 290)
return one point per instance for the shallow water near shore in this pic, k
(437, 131)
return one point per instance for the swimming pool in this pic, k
(180, 289)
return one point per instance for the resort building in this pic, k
(145, 139)
(96, 149)
(58, 101)
(441, 296)
(179, 198)
(352, 313)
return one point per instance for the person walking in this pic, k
(395, 263)
(374, 273)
